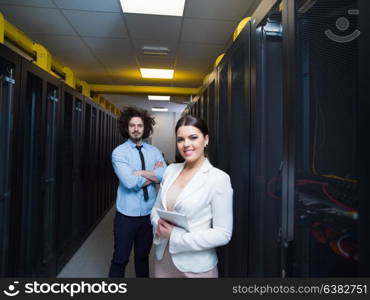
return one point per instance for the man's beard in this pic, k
(136, 138)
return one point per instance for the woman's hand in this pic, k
(164, 229)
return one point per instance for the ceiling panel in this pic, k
(37, 20)
(97, 24)
(70, 51)
(34, 3)
(189, 78)
(150, 27)
(233, 10)
(96, 77)
(207, 31)
(194, 83)
(201, 51)
(127, 73)
(193, 63)
(109, 45)
(91, 5)
(159, 62)
(118, 60)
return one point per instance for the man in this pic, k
(138, 166)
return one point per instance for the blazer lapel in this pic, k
(195, 183)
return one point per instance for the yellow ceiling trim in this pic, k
(43, 57)
(69, 77)
(85, 87)
(240, 27)
(218, 59)
(136, 89)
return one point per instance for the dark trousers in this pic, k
(129, 231)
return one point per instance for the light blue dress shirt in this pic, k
(130, 196)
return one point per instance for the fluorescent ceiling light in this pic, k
(160, 98)
(154, 7)
(156, 73)
(159, 109)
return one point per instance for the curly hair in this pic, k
(130, 112)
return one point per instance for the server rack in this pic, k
(38, 120)
(324, 211)
(266, 143)
(363, 140)
(89, 170)
(211, 122)
(9, 93)
(305, 203)
(94, 163)
(47, 179)
(69, 205)
(101, 161)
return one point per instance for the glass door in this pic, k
(326, 204)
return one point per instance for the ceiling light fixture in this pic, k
(159, 98)
(156, 73)
(154, 50)
(159, 109)
(158, 7)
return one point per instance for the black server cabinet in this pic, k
(70, 209)
(196, 108)
(266, 145)
(78, 158)
(222, 147)
(106, 161)
(363, 144)
(101, 162)
(235, 124)
(111, 175)
(39, 119)
(211, 122)
(204, 105)
(87, 170)
(228, 116)
(87, 149)
(325, 214)
(64, 207)
(9, 87)
(223, 116)
(93, 166)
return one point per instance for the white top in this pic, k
(173, 193)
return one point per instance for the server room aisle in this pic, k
(93, 258)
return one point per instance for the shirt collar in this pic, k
(133, 145)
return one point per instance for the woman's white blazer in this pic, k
(207, 202)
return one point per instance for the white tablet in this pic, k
(175, 218)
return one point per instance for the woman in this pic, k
(203, 194)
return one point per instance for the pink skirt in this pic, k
(165, 268)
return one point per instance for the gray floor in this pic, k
(94, 256)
